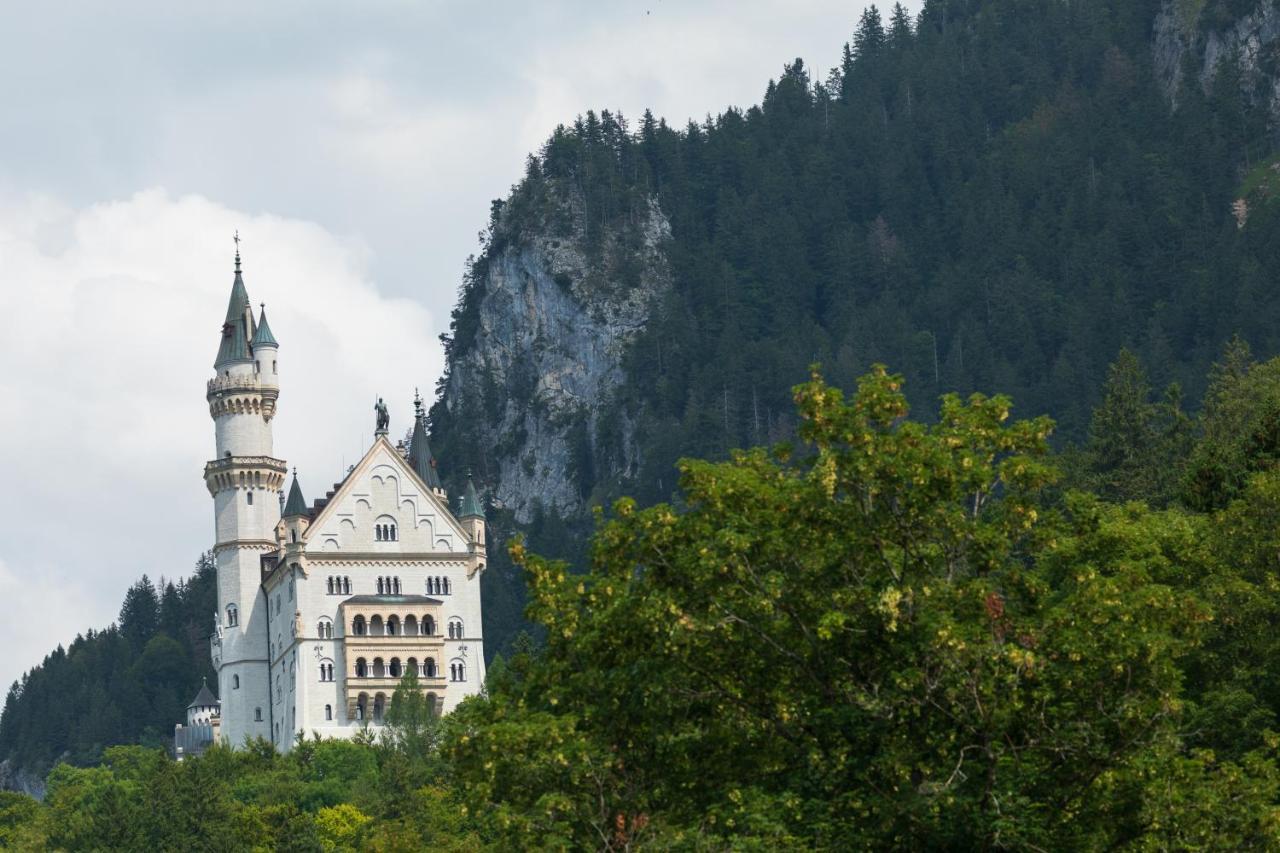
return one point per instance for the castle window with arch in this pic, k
(357, 626)
(233, 616)
(457, 671)
(235, 682)
(362, 668)
(257, 715)
(427, 626)
(249, 497)
(328, 712)
(324, 629)
(394, 668)
(429, 668)
(346, 586)
(455, 629)
(326, 670)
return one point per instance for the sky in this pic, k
(356, 148)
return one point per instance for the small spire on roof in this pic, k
(471, 506)
(296, 504)
(262, 336)
(237, 239)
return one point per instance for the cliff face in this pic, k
(1185, 27)
(555, 308)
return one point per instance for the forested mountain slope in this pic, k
(997, 196)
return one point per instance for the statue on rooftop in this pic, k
(384, 419)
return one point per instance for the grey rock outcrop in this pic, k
(16, 779)
(554, 321)
(1255, 36)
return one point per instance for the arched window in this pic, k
(379, 585)
(393, 626)
(411, 666)
(431, 586)
(326, 670)
(328, 712)
(448, 589)
(379, 705)
(235, 682)
(393, 533)
(362, 669)
(375, 627)
(257, 715)
(362, 702)
(410, 626)
(324, 629)
(293, 536)
(457, 671)
(331, 584)
(357, 626)
(379, 669)
(429, 668)
(233, 616)
(249, 497)
(346, 586)
(455, 629)
(394, 670)
(428, 626)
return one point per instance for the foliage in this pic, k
(128, 683)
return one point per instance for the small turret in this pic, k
(420, 458)
(295, 518)
(265, 352)
(237, 328)
(471, 514)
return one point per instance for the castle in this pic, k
(323, 608)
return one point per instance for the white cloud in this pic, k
(109, 322)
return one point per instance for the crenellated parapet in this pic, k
(244, 472)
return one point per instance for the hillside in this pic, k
(997, 197)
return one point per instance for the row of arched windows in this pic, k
(379, 706)
(339, 585)
(457, 671)
(393, 668)
(384, 532)
(393, 627)
(438, 586)
(326, 671)
(388, 586)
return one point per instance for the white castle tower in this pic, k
(245, 481)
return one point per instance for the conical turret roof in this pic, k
(420, 451)
(296, 504)
(205, 698)
(235, 334)
(263, 337)
(471, 506)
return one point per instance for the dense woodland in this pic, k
(906, 623)
(997, 197)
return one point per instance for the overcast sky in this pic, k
(356, 147)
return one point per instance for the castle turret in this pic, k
(424, 464)
(245, 481)
(471, 515)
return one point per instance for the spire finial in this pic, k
(236, 238)
(417, 403)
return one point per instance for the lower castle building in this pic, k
(323, 608)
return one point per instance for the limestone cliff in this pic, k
(546, 321)
(1207, 34)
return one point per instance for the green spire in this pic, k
(235, 334)
(263, 337)
(419, 451)
(471, 507)
(296, 504)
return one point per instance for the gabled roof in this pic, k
(205, 698)
(235, 337)
(471, 506)
(323, 507)
(263, 337)
(296, 504)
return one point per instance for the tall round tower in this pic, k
(245, 481)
